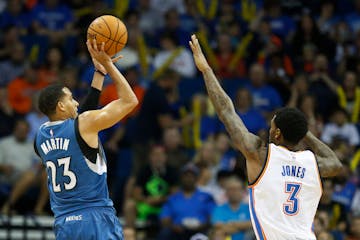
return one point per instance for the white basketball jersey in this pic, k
(285, 197)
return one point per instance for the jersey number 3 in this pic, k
(291, 207)
(67, 173)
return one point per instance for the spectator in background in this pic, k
(204, 126)
(353, 18)
(281, 25)
(35, 118)
(308, 33)
(176, 152)
(325, 98)
(129, 233)
(7, 40)
(225, 53)
(279, 67)
(324, 235)
(227, 153)
(306, 62)
(251, 117)
(327, 18)
(348, 94)
(174, 57)
(54, 20)
(14, 66)
(163, 7)
(340, 127)
(154, 183)
(299, 88)
(70, 78)
(22, 89)
(151, 18)
(354, 233)
(172, 26)
(31, 179)
(207, 160)
(226, 17)
(154, 116)
(15, 15)
(52, 68)
(16, 155)
(190, 20)
(331, 214)
(307, 104)
(232, 219)
(7, 116)
(94, 9)
(187, 211)
(132, 49)
(265, 98)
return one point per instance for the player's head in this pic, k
(288, 126)
(57, 102)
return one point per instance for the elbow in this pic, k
(132, 103)
(338, 167)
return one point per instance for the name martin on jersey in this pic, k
(55, 144)
(293, 171)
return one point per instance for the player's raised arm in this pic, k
(245, 141)
(97, 120)
(329, 164)
(91, 100)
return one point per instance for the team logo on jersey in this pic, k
(51, 132)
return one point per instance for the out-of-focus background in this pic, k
(266, 54)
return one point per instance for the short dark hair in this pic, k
(292, 123)
(49, 97)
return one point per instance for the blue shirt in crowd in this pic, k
(265, 98)
(180, 208)
(224, 214)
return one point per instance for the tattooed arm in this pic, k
(243, 140)
(329, 164)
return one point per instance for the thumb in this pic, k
(115, 59)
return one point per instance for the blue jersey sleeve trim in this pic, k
(89, 152)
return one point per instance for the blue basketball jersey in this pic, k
(76, 172)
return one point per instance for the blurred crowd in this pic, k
(172, 171)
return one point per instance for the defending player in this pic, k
(284, 184)
(75, 162)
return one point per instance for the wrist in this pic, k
(100, 72)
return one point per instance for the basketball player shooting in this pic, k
(70, 149)
(284, 184)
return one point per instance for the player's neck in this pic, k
(290, 147)
(55, 118)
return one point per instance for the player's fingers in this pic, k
(193, 37)
(102, 47)
(115, 59)
(191, 45)
(95, 45)
(89, 46)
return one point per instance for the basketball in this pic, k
(110, 30)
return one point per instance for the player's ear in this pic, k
(60, 106)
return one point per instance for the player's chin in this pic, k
(75, 114)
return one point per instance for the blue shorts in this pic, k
(97, 223)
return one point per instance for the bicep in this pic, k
(108, 116)
(327, 166)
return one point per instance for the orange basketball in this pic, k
(110, 30)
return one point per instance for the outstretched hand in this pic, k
(100, 57)
(199, 58)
